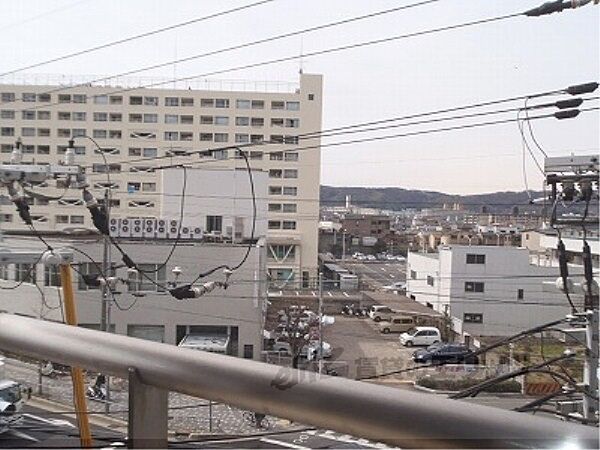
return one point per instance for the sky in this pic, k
(514, 57)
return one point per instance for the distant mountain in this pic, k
(399, 198)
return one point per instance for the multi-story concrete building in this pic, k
(488, 290)
(234, 315)
(140, 128)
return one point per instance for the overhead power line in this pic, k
(137, 36)
(306, 55)
(242, 46)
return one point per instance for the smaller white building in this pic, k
(488, 290)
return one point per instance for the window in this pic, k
(115, 134)
(311, 96)
(257, 139)
(289, 224)
(289, 207)
(258, 104)
(221, 103)
(43, 115)
(291, 140)
(7, 97)
(475, 259)
(6, 148)
(43, 132)
(430, 280)
(6, 218)
(135, 151)
(520, 294)
(292, 106)
(101, 99)
(64, 115)
(274, 224)
(171, 118)
(274, 207)
(221, 120)
(29, 131)
(150, 118)
(100, 117)
(99, 134)
(79, 116)
(78, 132)
(101, 168)
(220, 154)
(242, 121)
(242, 104)
(133, 186)
(116, 100)
(290, 173)
(207, 103)
(151, 101)
(43, 98)
(187, 101)
(29, 149)
(275, 173)
(206, 120)
(290, 190)
(474, 286)
(136, 118)
(291, 156)
(275, 190)
(115, 117)
(43, 149)
(136, 100)
(277, 105)
(248, 351)
(472, 318)
(139, 282)
(171, 101)
(206, 137)
(242, 138)
(150, 152)
(256, 155)
(76, 220)
(292, 123)
(186, 136)
(149, 187)
(186, 120)
(7, 114)
(63, 132)
(7, 131)
(257, 122)
(277, 122)
(413, 274)
(25, 273)
(276, 156)
(28, 115)
(28, 96)
(79, 98)
(221, 137)
(214, 223)
(171, 136)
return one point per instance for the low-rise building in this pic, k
(487, 290)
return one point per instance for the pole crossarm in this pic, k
(379, 413)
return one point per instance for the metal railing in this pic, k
(384, 414)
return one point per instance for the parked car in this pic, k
(371, 258)
(381, 312)
(307, 351)
(423, 336)
(445, 354)
(397, 286)
(397, 324)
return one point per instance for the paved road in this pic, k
(377, 274)
(40, 429)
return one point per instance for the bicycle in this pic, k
(250, 417)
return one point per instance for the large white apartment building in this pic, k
(140, 128)
(488, 290)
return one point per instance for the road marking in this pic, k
(22, 435)
(282, 443)
(55, 422)
(330, 294)
(345, 294)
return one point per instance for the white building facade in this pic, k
(487, 290)
(141, 128)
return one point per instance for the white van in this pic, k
(421, 336)
(397, 324)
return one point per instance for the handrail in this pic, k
(384, 414)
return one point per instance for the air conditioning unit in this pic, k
(197, 233)
(186, 232)
(137, 228)
(149, 228)
(172, 228)
(161, 223)
(124, 228)
(162, 231)
(114, 226)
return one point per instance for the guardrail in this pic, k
(394, 416)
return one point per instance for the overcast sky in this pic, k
(487, 62)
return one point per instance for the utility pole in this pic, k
(106, 300)
(343, 245)
(590, 368)
(320, 350)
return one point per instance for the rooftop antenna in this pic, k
(300, 70)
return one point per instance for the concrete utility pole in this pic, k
(320, 350)
(106, 300)
(590, 368)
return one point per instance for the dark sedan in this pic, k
(445, 354)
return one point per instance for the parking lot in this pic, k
(376, 274)
(359, 346)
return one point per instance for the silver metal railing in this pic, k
(394, 416)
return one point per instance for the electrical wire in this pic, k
(242, 46)
(135, 37)
(531, 131)
(310, 54)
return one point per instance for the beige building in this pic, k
(140, 128)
